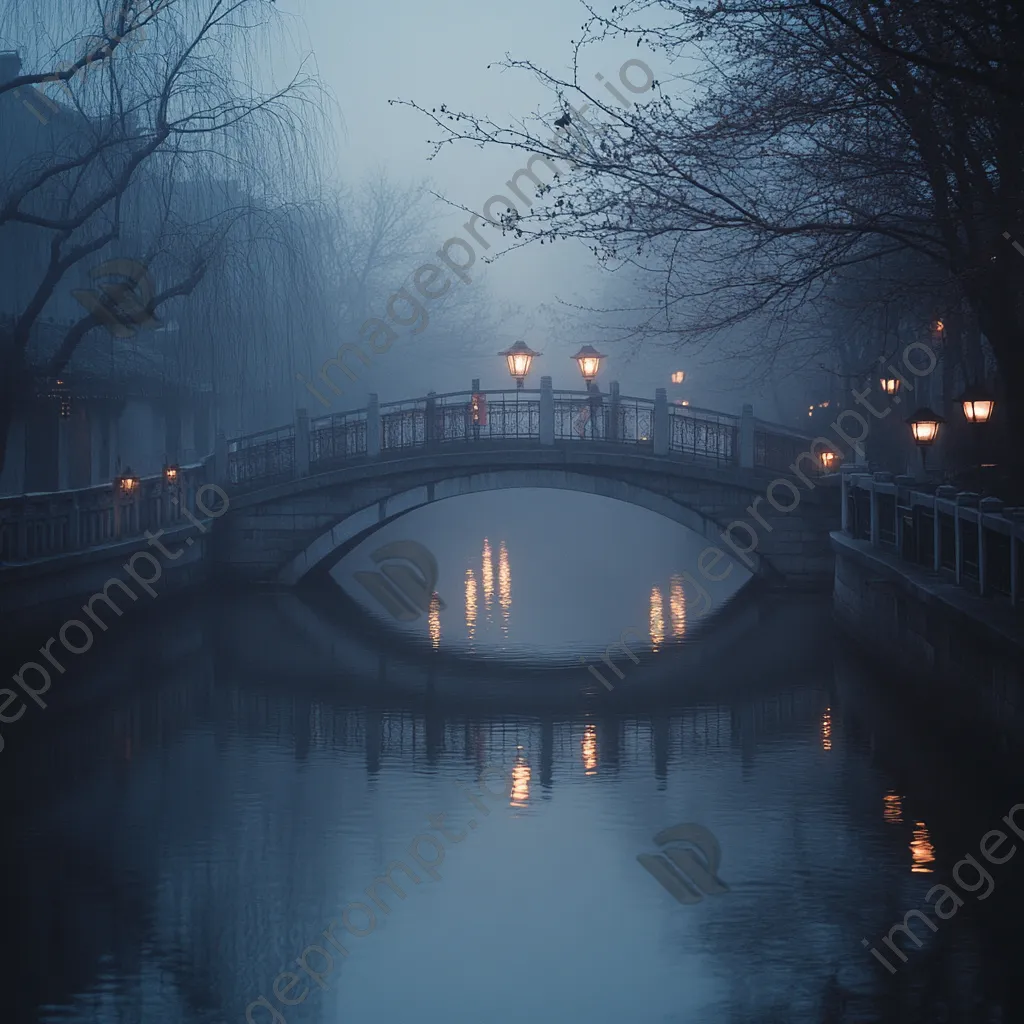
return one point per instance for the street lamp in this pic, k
(828, 460)
(171, 474)
(519, 357)
(678, 376)
(127, 483)
(589, 361)
(978, 404)
(890, 385)
(924, 425)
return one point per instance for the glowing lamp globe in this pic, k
(978, 405)
(589, 361)
(924, 425)
(127, 483)
(519, 357)
(890, 385)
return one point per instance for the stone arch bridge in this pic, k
(303, 496)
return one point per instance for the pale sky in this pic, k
(440, 53)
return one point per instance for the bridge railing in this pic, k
(337, 438)
(42, 525)
(777, 448)
(973, 542)
(264, 457)
(585, 416)
(447, 418)
(703, 435)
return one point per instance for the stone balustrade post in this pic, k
(844, 512)
(661, 425)
(874, 511)
(221, 471)
(547, 412)
(301, 443)
(373, 437)
(74, 523)
(746, 438)
(614, 403)
(430, 417)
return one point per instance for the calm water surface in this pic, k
(227, 780)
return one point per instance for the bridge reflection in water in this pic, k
(209, 821)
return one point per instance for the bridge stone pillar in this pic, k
(547, 412)
(430, 417)
(746, 438)
(661, 422)
(301, 443)
(220, 459)
(373, 426)
(612, 432)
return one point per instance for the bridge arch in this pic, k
(353, 527)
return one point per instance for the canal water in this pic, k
(212, 799)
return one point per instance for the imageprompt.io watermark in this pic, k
(403, 308)
(120, 305)
(687, 867)
(404, 586)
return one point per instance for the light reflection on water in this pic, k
(585, 570)
(259, 801)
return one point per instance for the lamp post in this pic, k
(978, 406)
(589, 361)
(519, 357)
(924, 426)
(126, 486)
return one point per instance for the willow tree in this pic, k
(151, 139)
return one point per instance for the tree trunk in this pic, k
(9, 374)
(1001, 322)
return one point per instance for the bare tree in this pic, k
(139, 152)
(811, 136)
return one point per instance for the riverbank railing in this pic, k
(41, 525)
(960, 537)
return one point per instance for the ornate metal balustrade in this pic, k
(335, 439)
(34, 526)
(447, 418)
(975, 543)
(704, 436)
(264, 457)
(511, 415)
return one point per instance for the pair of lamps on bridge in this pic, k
(520, 356)
(127, 483)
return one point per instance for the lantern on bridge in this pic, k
(589, 361)
(127, 483)
(519, 358)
